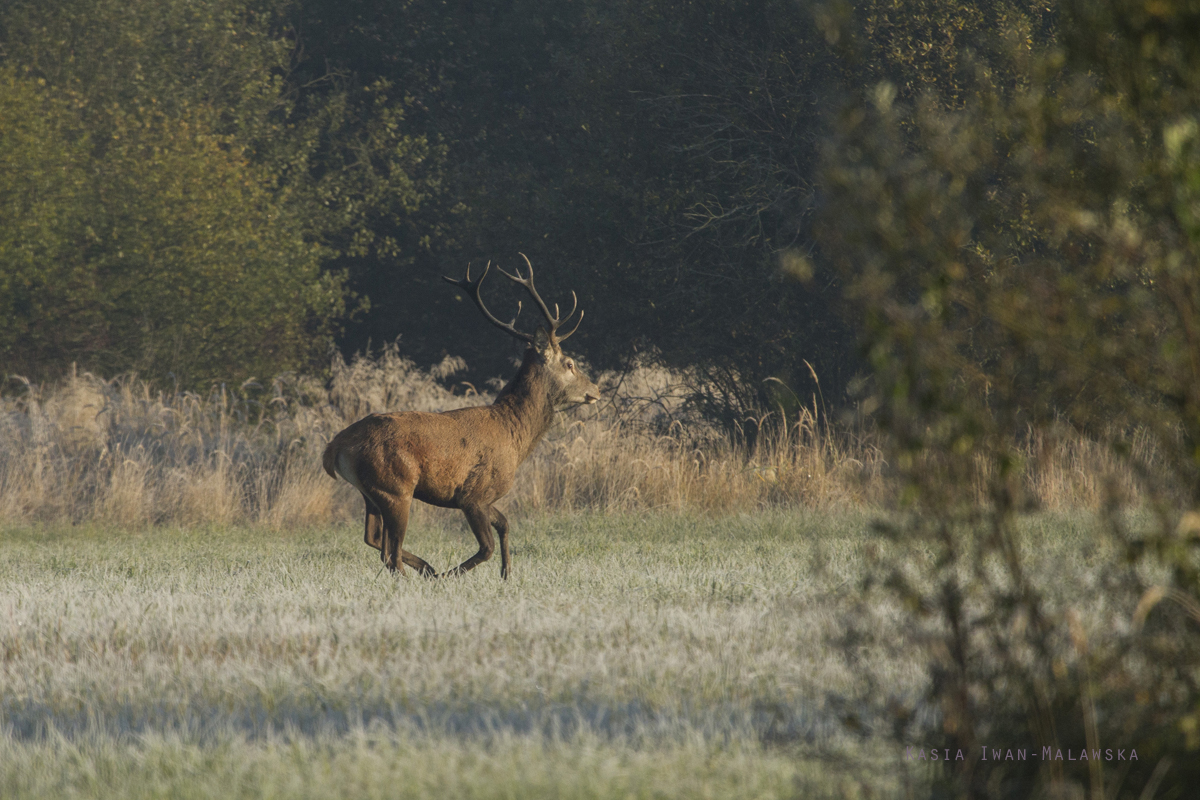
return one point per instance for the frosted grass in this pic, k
(644, 654)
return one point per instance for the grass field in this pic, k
(187, 608)
(629, 656)
(659, 655)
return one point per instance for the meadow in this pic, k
(187, 608)
(126, 452)
(630, 655)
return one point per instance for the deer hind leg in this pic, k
(501, 526)
(393, 508)
(479, 518)
(419, 564)
(374, 532)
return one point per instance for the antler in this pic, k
(472, 288)
(553, 321)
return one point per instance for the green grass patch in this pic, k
(629, 655)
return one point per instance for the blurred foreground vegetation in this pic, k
(1028, 260)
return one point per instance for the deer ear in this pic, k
(543, 341)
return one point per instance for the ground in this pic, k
(653, 655)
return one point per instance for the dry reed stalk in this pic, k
(122, 452)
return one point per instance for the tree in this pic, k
(659, 158)
(43, 194)
(656, 158)
(201, 195)
(1025, 260)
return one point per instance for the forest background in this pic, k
(225, 190)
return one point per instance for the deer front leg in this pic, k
(479, 518)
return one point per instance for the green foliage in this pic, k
(43, 183)
(656, 158)
(1024, 256)
(659, 158)
(158, 250)
(933, 47)
(195, 197)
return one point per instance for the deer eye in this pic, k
(570, 364)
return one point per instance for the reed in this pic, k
(120, 451)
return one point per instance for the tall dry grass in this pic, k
(120, 451)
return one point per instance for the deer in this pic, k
(466, 458)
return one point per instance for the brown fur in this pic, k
(464, 459)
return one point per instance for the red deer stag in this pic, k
(465, 458)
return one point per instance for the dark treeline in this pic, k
(661, 159)
(224, 189)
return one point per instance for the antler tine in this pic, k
(574, 300)
(551, 320)
(472, 289)
(574, 305)
(568, 333)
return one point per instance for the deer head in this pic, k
(566, 384)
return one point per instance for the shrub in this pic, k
(1026, 265)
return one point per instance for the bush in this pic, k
(1026, 259)
(173, 200)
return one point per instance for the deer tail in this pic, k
(329, 459)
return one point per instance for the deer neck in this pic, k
(525, 403)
